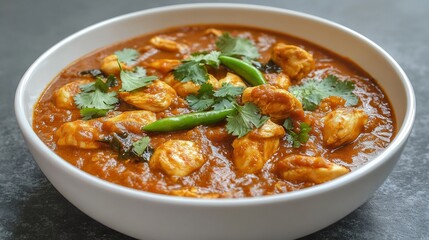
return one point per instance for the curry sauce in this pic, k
(207, 160)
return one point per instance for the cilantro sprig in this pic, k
(95, 100)
(228, 91)
(195, 67)
(207, 97)
(297, 138)
(237, 47)
(203, 100)
(191, 71)
(244, 119)
(132, 80)
(128, 56)
(206, 58)
(313, 91)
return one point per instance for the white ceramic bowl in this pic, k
(152, 216)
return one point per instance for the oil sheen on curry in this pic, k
(215, 111)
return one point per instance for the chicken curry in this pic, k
(215, 111)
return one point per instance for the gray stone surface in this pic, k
(30, 208)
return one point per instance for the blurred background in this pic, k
(31, 208)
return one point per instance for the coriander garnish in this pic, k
(297, 138)
(244, 119)
(95, 100)
(312, 91)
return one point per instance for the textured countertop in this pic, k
(31, 208)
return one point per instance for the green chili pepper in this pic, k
(187, 121)
(250, 73)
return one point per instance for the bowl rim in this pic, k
(395, 146)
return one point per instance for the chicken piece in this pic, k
(193, 192)
(130, 121)
(80, 134)
(278, 80)
(233, 79)
(183, 89)
(295, 61)
(168, 45)
(64, 96)
(213, 31)
(177, 158)
(109, 65)
(155, 97)
(164, 65)
(299, 169)
(278, 103)
(343, 126)
(252, 151)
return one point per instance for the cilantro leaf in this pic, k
(194, 68)
(90, 113)
(226, 95)
(211, 58)
(132, 80)
(244, 119)
(191, 71)
(203, 100)
(228, 90)
(96, 99)
(224, 104)
(198, 103)
(95, 95)
(128, 56)
(207, 98)
(297, 138)
(231, 46)
(139, 147)
(88, 87)
(312, 91)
